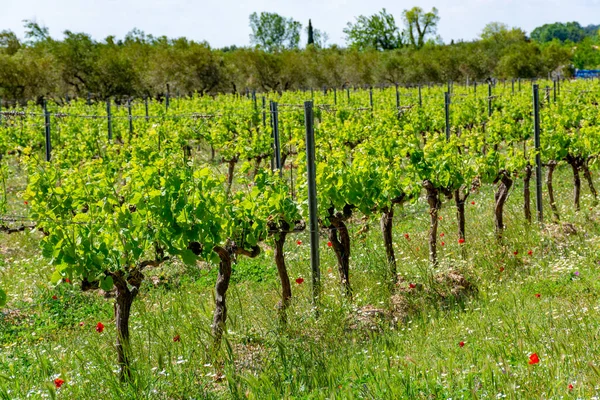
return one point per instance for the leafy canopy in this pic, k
(420, 25)
(272, 32)
(378, 31)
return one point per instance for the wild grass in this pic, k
(331, 354)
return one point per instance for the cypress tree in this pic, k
(311, 39)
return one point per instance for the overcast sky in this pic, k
(225, 22)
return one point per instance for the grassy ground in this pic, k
(378, 346)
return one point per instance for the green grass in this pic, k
(329, 356)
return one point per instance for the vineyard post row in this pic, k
(274, 112)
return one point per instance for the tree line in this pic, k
(377, 51)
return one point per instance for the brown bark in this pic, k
(257, 166)
(588, 177)
(500, 197)
(575, 164)
(230, 170)
(387, 221)
(527, 192)
(126, 290)
(434, 205)
(286, 288)
(460, 198)
(223, 278)
(340, 240)
(280, 233)
(226, 255)
(549, 183)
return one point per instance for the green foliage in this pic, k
(586, 55)
(420, 25)
(272, 32)
(378, 32)
(570, 31)
(9, 42)
(107, 207)
(141, 65)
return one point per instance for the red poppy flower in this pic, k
(300, 281)
(412, 285)
(461, 241)
(54, 297)
(516, 252)
(461, 344)
(534, 359)
(329, 244)
(177, 338)
(406, 236)
(81, 323)
(501, 269)
(58, 382)
(473, 203)
(99, 327)
(443, 243)
(67, 280)
(442, 234)
(570, 386)
(529, 253)
(26, 203)
(299, 242)
(538, 295)
(440, 218)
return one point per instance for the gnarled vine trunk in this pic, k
(286, 288)
(588, 177)
(434, 204)
(549, 183)
(576, 163)
(460, 198)
(387, 222)
(126, 290)
(257, 166)
(577, 187)
(527, 192)
(230, 170)
(223, 278)
(280, 233)
(500, 196)
(340, 241)
(226, 255)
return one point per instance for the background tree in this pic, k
(9, 43)
(571, 31)
(497, 40)
(592, 31)
(271, 31)
(36, 32)
(78, 56)
(587, 55)
(377, 32)
(420, 25)
(316, 37)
